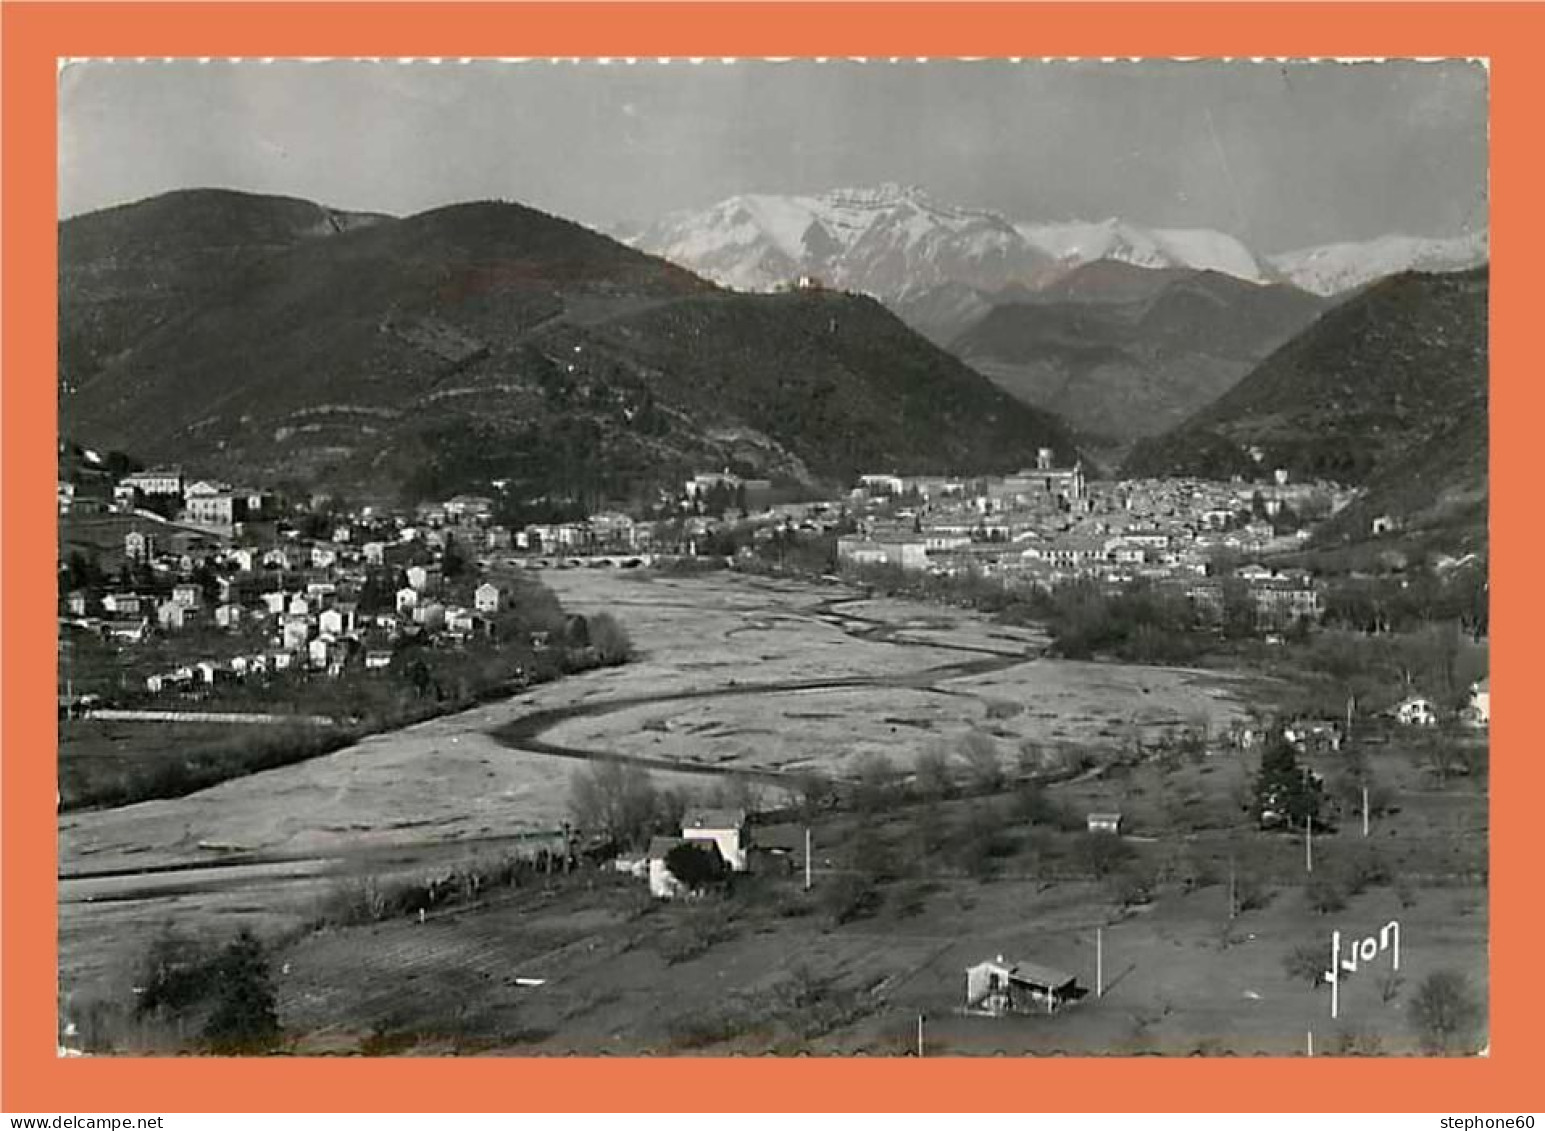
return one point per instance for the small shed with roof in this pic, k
(997, 987)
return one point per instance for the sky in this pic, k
(1283, 155)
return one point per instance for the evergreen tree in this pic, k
(1285, 795)
(245, 1017)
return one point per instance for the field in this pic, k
(754, 679)
(768, 968)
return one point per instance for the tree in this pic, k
(1446, 1013)
(1239, 613)
(245, 1018)
(1285, 795)
(877, 779)
(981, 755)
(815, 792)
(177, 972)
(610, 639)
(615, 798)
(696, 864)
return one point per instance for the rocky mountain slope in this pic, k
(1123, 352)
(1387, 391)
(489, 341)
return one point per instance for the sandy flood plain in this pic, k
(414, 797)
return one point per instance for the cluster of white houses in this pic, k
(301, 597)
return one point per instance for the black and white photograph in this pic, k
(745, 557)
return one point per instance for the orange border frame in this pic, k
(35, 33)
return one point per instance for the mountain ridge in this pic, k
(488, 340)
(1387, 391)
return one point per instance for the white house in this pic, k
(172, 615)
(461, 622)
(325, 651)
(488, 598)
(726, 828)
(1479, 712)
(662, 883)
(423, 577)
(122, 604)
(1417, 712)
(297, 631)
(337, 620)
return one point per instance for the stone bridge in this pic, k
(584, 561)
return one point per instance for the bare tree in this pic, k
(877, 781)
(1446, 1013)
(981, 755)
(615, 798)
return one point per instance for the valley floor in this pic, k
(755, 679)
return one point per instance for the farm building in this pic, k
(1417, 712)
(997, 987)
(662, 884)
(726, 828)
(1105, 823)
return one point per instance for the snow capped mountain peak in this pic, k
(1201, 249)
(888, 241)
(894, 241)
(1336, 267)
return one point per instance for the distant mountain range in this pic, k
(1123, 330)
(1387, 391)
(271, 338)
(895, 242)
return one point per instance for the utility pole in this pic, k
(807, 857)
(1099, 962)
(1365, 810)
(1308, 825)
(1311, 1042)
(920, 1036)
